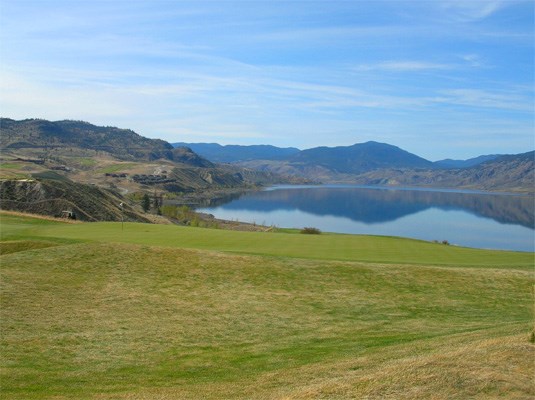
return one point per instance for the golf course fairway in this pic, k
(139, 311)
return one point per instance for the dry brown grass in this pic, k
(460, 367)
(121, 321)
(464, 366)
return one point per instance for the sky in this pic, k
(438, 78)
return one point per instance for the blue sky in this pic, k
(442, 79)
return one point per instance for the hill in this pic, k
(341, 164)
(359, 158)
(235, 153)
(510, 172)
(54, 196)
(123, 144)
(90, 311)
(116, 161)
(122, 160)
(381, 164)
(449, 163)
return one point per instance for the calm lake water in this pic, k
(464, 218)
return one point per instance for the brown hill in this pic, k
(49, 167)
(54, 196)
(509, 173)
(123, 144)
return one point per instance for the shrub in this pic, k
(169, 211)
(310, 231)
(145, 202)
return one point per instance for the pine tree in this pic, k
(145, 202)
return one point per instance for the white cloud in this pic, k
(22, 98)
(199, 129)
(403, 66)
(329, 33)
(486, 99)
(473, 60)
(472, 10)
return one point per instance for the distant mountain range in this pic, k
(236, 153)
(351, 159)
(87, 151)
(504, 173)
(359, 158)
(384, 164)
(449, 163)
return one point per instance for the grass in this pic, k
(84, 161)
(12, 171)
(95, 315)
(110, 169)
(326, 246)
(51, 175)
(9, 166)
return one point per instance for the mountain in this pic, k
(509, 172)
(235, 153)
(449, 163)
(388, 165)
(123, 144)
(341, 164)
(129, 164)
(48, 167)
(359, 158)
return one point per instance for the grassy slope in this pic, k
(326, 246)
(132, 321)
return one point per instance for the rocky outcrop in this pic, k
(55, 197)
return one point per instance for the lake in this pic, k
(464, 218)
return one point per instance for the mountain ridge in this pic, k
(378, 163)
(470, 162)
(124, 144)
(90, 170)
(506, 173)
(231, 153)
(182, 169)
(234, 153)
(360, 157)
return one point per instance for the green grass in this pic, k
(85, 161)
(12, 171)
(50, 175)
(9, 166)
(116, 168)
(90, 311)
(15, 246)
(325, 246)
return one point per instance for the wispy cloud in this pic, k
(472, 10)
(473, 60)
(403, 66)
(486, 99)
(199, 129)
(23, 99)
(251, 71)
(328, 33)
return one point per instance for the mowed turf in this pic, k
(83, 318)
(326, 246)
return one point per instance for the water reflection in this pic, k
(379, 205)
